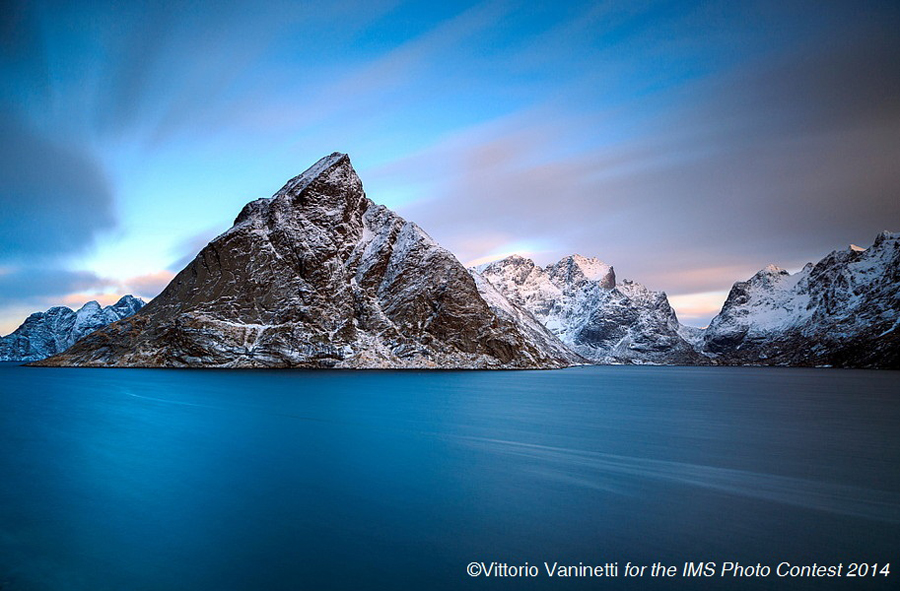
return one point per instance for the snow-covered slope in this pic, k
(842, 311)
(526, 322)
(47, 333)
(579, 301)
(320, 276)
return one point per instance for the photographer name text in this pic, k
(692, 570)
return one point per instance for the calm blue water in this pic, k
(171, 480)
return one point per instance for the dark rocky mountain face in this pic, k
(579, 301)
(320, 276)
(47, 333)
(844, 311)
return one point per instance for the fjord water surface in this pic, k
(183, 479)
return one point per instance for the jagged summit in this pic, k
(575, 269)
(89, 307)
(514, 258)
(127, 305)
(771, 269)
(297, 184)
(886, 235)
(320, 276)
(589, 268)
(329, 189)
(769, 275)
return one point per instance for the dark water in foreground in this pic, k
(170, 480)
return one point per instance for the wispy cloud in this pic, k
(778, 161)
(362, 94)
(54, 197)
(44, 284)
(40, 288)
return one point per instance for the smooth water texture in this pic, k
(182, 479)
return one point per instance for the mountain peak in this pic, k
(513, 260)
(128, 299)
(838, 312)
(516, 257)
(577, 300)
(772, 269)
(328, 193)
(576, 268)
(885, 235)
(593, 268)
(769, 275)
(47, 333)
(324, 165)
(91, 306)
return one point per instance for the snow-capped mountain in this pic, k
(320, 276)
(47, 333)
(843, 311)
(526, 322)
(579, 301)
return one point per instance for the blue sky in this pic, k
(687, 144)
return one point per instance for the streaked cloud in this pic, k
(777, 161)
(54, 197)
(39, 284)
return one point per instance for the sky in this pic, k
(688, 144)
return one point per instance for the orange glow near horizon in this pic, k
(493, 257)
(702, 305)
(77, 300)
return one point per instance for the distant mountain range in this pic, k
(320, 276)
(47, 333)
(844, 311)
